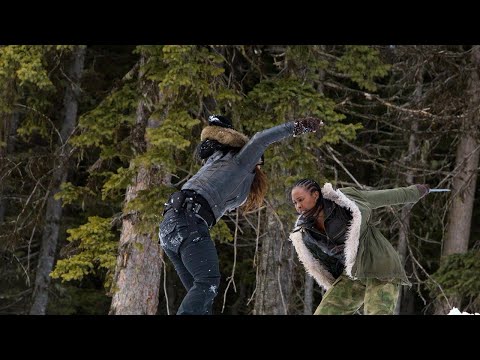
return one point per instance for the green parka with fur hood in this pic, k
(368, 254)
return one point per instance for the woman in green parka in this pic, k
(340, 247)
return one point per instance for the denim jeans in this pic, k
(186, 240)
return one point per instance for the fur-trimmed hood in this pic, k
(224, 136)
(323, 277)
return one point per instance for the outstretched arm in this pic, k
(401, 195)
(253, 150)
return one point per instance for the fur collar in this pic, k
(312, 266)
(353, 231)
(224, 136)
(323, 277)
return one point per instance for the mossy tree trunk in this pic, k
(136, 283)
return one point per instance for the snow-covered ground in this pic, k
(455, 311)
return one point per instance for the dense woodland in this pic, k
(93, 139)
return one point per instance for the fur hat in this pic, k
(224, 135)
(219, 135)
(214, 138)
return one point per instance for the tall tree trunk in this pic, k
(274, 281)
(136, 284)
(308, 307)
(404, 230)
(54, 207)
(465, 179)
(7, 133)
(138, 270)
(405, 299)
(3, 153)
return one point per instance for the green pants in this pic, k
(347, 296)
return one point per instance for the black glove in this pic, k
(306, 125)
(424, 189)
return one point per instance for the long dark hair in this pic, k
(259, 186)
(311, 186)
(258, 190)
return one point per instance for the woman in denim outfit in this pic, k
(230, 177)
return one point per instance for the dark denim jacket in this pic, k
(225, 180)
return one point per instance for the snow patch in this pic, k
(455, 311)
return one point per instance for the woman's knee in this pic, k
(381, 298)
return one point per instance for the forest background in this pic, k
(93, 139)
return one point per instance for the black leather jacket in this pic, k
(328, 247)
(225, 180)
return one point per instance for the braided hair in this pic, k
(311, 186)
